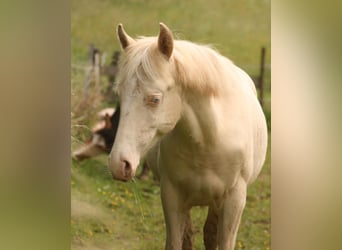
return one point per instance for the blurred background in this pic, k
(115, 215)
(39, 41)
(237, 29)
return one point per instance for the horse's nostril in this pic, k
(127, 169)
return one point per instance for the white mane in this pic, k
(196, 67)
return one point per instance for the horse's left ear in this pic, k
(165, 40)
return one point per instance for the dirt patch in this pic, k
(81, 208)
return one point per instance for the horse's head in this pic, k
(103, 135)
(149, 99)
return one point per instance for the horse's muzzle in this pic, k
(122, 170)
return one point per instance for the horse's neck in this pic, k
(197, 125)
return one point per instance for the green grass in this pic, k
(129, 215)
(115, 215)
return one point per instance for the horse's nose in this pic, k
(123, 170)
(123, 165)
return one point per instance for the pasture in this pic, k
(114, 215)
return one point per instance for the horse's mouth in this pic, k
(122, 179)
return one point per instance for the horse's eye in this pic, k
(154, 100)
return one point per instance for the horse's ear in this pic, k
(108, 123)
(124, 39)
(165, 40)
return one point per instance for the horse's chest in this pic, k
(200, 183)
(202, 189)
(201, 175)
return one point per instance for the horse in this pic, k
(102, 137)
(200, 113)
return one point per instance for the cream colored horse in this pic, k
(204, 114)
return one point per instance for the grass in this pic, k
(115, 215)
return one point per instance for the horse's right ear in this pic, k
(124, 39)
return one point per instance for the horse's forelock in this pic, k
(142, 61)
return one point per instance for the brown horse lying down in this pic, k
(102, 138)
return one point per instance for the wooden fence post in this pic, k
(261, 76)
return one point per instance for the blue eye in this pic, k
(154, 100)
